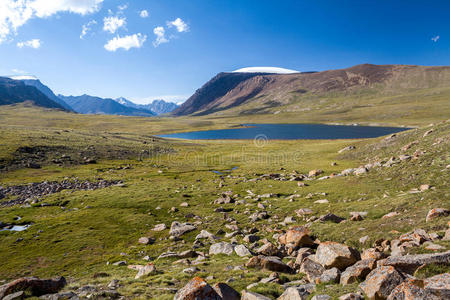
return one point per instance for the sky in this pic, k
(147, 49)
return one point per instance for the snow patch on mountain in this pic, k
(269, 70)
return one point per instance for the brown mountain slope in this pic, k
(249, 93)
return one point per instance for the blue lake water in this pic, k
(288, 132)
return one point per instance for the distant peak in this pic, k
(24, 77)
(270, 70)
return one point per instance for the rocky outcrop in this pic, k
(33, 285)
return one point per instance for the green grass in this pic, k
(97, 226)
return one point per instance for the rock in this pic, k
(221, 248)
(409, 263)
(302, 253)
(242, 251)
(160, 227)
(358, 271)
(197, 288)
(439, 285)
(331, 217)
(351, 296)
(226, 292)
(314, 173)
(331, 254)
(191, 270)
(433, 246)
(205, 235)
(437, 212)
(348, 148)
(33, 285)
(381, 282)
(251, 238)
(412, 288)
(321, 297)
(246, 295)
(296, 237)
(312, 270)
(184, 204)
(268, 249)
(145, 270)
(177, 229)
(372, 253)
(271, 263)
(300, 292)
(424, 187)
(360, 171)
(330, 276)
(363, 239)
(390, 215)
(447, 235)
(15, 296)
(303, 212)
(120, 263)
(322, 201)
(144, 240)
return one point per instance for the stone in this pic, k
(412, 288)
(409, 263)
(439, 285)
(160, 227)
(120, 263)
(332, 254)
(15, 296)
(351, 296)
(381, 282)
(436, 213)
(330, 276)
(197, 288)
(191, 270)
(360, 171)
(447, 235)
(322, 201)
(271, 263)
(205, 235)
(296, 237)
(372, 253)
(300, 292)
(302, 253)
(251, 238)
(331, 217)
(311, 269)
(268, 249)
(226, 292)
(321, 297)
(145, 270)
(246, 295)
(33, 285)
(390, 215)
(144, 240)
(348, 148)
(314, 173)
(242, 251)
(424, 187)
(363, 239)
(221, 248)
(177, 229)
(184, 204)
(303, 212)
(358, 271)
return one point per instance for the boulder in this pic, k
(221, 248)
(331, 217)
(242, 251)
(145, 270)
(409, 263)
(358, 271)
(296, 237)
(372, 253)
(34, 285)
(381, 282)
(332, 254)
(271, 263)
(177, 229)
(330, 276)
(160, 227)
(197, 288)
(302, 253)
(439, 285)
(311, 269)
(436, 213)
(144, 240)
(268, 249)
(246, 295)
(226, 292)
(300, 292)
(412, 288)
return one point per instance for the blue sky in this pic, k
(120, 56)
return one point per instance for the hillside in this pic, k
(15, 91)
(86, 104)
(328, 92)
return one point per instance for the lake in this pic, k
(288, 132)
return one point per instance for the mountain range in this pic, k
(29, 88)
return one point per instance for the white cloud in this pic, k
(179, 24)
(126, 42)
(112, 24)
(19, 71)
(86, 28)
(143, 13)
(15, 13)
(435, 38)
(160, 36)
(122, 7)
(34, 43)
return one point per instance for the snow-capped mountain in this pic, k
(158, 107)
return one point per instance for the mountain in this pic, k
(158, 107)
(33, 81)
(243, 92)
(16, 91)
(86, 104)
